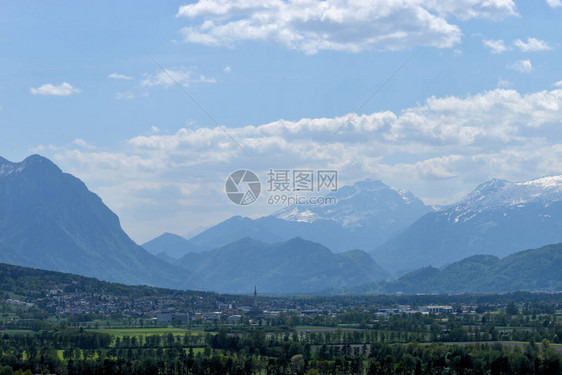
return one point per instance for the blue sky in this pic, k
(478, 99)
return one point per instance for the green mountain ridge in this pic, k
(527, 270)
(294, 266)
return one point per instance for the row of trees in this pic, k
(69, 351)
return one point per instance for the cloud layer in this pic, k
(342, 25)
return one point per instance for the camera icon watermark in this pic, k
(243, 187)
(285, 187)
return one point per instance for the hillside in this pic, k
(528, 270)
(294, 266)
(50, 220)
(30, 282)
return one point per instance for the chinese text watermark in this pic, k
(285, 186)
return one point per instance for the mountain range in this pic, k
(365, 215)
(527, 270)
(497, 218)
(400, 232)
(50, 220)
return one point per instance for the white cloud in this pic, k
(163, 78)
(82, 143)
(554, 3)
(503, 83)
(204, 79)
(227, 69)
(127, 95)
(522, 66)
(64, 89)
(342, 25)
(182, 76)
(496, 46)
(532, 45)
(493, 117)
(119, 76)
(558, 84)
(468, 9)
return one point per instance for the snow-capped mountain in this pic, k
(365, 215)
(499, 217)
(363, 204)
(502, 193)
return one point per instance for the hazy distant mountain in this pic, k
(172, 245)
(233, 229)
(271, 229)
(498, 218)
(537, 269)
(294, 266)
(365, 215)
(50, 220)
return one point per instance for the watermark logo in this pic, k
(302, 180)
(285, 186)
(243, 187)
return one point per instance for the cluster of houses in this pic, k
(207, 307)
(406, 309)
(15, 302)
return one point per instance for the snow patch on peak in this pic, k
(548, 182)
(6, 167)
(295, 214)
(4, 161)
(406, 196)
(502, 193)
(33, 161)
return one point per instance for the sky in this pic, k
(153, 104)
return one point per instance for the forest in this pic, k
(399, 344)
